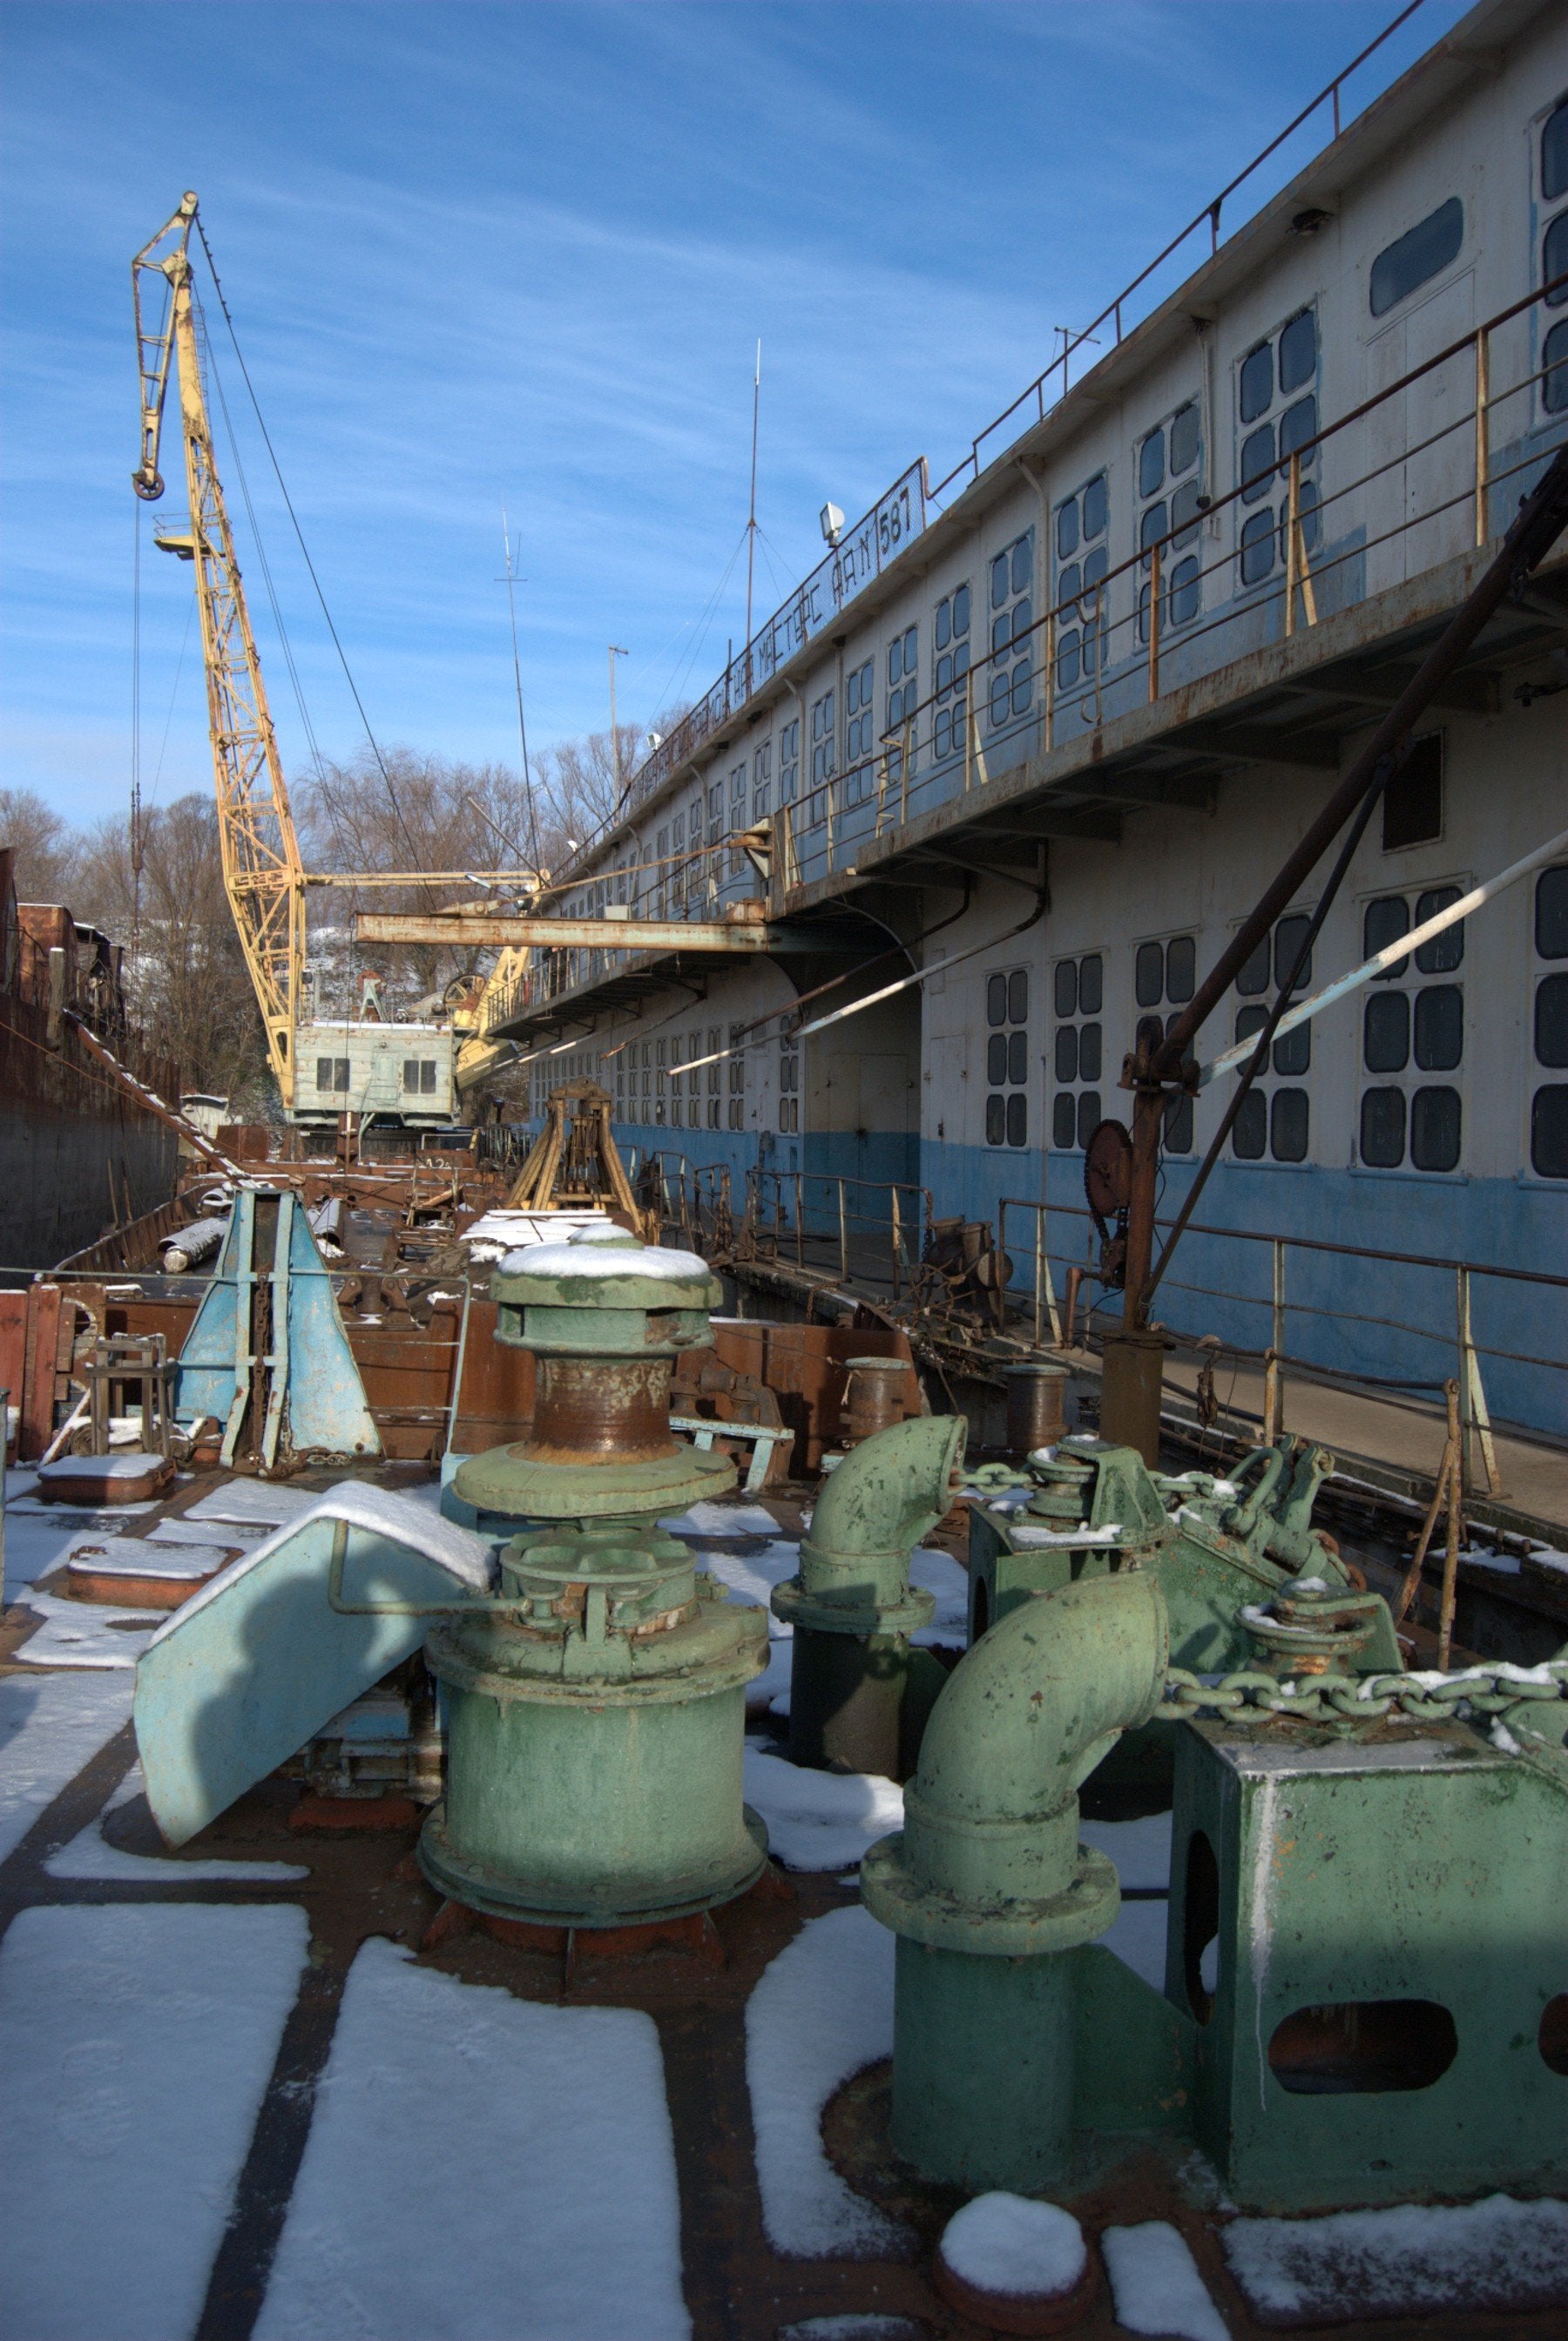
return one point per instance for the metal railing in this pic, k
(812, 1216)
(742, 677)
(1444, 1327)
(1085, 656)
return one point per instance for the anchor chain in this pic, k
(1426, 1698)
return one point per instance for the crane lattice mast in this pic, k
(263, 874)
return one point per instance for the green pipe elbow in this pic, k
(991, 1819)
(880, 1501)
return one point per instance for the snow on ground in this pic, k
(84, 1633)
(1007, 2244)
(137, 2044)
(938, 1573)
(1496, 2254)
(707, 1518)
(1156, 2285)
(821, 2012)
(479, 2167)
(38, 1541)
(263, 1502)
(48, 1729)
(89, 1855)
(819, 1820)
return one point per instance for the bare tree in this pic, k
(48, 849)
(188, 987)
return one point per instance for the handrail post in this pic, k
(1475, 1417)
(843, 1239)
(897, 1238)
(1482, 400)
(968, 734)
(1273, 1381)
(904, 756)
(1155, 622)
(799, 1221)
(1050, 681)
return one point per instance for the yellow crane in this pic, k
(262, 872)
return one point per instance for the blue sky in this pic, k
(524, 252)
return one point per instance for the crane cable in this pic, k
(304, 549)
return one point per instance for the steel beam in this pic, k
(744, 936)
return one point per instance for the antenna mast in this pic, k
(751, 511)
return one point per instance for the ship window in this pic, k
(1413, 799)
(824, 755)
(1163, 972)
(1184, 438)
(762, 779)
(1256, 385)
(1257, 465)
(1268, 395)
(1081, 618)
(1554, 370)
(1007, 1059)
(1152, 464)
(1554, 153)
(1551, 1020)
(1256, 548)
(1077, 994)
(1385, 1032)
(789, 761)
(1011, 681)
(1383, 1128)
(903, 694)
(1435, 1128)
(1409, 1028)
(1297, 352)
(331, 1074)
(1273, 1120)
(1552, 912)
(1442, 953)
(1554, 259)
(951, 678)
(1420, 253)
(1549, 1131)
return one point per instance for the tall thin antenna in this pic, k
(751, 511)
(615, 652)
(136, 742)
(517, 678)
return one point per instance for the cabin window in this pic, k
(715, 1072)
(418, 1076)
(789, 761)
(1410, 1030)
(762, 781)
(1276, 417)
(1078, 1049)
(1083, 557)
(1549, 1106)
(1168, 488)
(950, 636)
(1275, 1123)
(1554, 256)
(1011, 682)
(1008, 1058)
(789, 1083)
(903, 698)
(824, 755)
(1422, 253)
(333, 1073)
(1413, 800)
(1165, 977)
(858, 695)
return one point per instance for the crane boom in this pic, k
(263, 874)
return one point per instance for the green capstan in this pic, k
(596, 1708)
